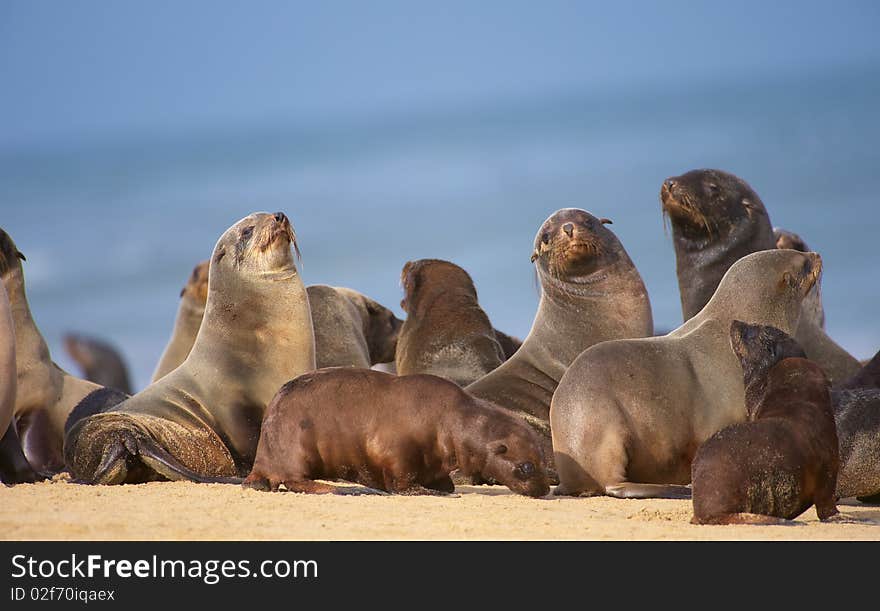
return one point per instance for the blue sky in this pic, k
(83, 69)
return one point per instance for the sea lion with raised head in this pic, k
(717, 219)
(45, 393)
(398, 434)
(193, 297)
(812, 308)
(446, 332)
(629, 414)
(351, 330)
(100, 362)
(202, 420)
(784, 459)
(590, 292)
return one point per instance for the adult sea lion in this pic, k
(202, 420)
(101, 363)
(717, 218)
(629, 414)
(45, 393)
(351, 330)
(398, 434)
(193, 297)
(785, 458)
(590, 292)
(446, 332)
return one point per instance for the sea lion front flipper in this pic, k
(630, 490)
(163, 462)
(14, 467)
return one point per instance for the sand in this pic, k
(186, 511)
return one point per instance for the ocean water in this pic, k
(111, 229)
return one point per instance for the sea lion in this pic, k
(509, 344)
(101, 363)
(590, 292)
(351, 330)
(193, 297)
(45, 393)
(446, 332)
(629, 414)
(866, 377)
(717, 218)
(202, 420)
(813, 310)
(785, 458)
(398, 434)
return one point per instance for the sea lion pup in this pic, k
(351, 330)
(813, 310)
(398, 434)
(101, 363)
(45, 393)
(202, 420)
(784, 459)
(446, 332)
(193, 297)
(629, 414)
(590, 292)
(717, 218)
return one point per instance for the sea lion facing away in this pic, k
(717, 218)
(193, 298)
(785, 458)
(398, 434)
(202, 420)
(101, 363)
(45, 393)
(446, 332)
(590, 292)
(629, 414)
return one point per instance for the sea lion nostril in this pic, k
(568, 228)
(280, 217)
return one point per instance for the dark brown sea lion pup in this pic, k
(45, 393)
(190, 312)
(398, 434)
(446, 332)
(202, 420)
(590, 292)
(351, 330)
(629, 414)
(101, 363)
(785, 458)
(717, 218)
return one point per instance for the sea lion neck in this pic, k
(29, 343)
(793, 381)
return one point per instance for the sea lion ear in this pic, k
(220, 254)
(750, 206)
(534, 256)
(182, 291)
(605, 221)
(19, 254)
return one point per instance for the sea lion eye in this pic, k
(247, 232)
(713, 188)
(545, 238)
(500, 448)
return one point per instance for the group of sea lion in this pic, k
(268, 383)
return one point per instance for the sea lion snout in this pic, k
(280, 217)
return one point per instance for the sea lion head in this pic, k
(709, 205)
(256, 246)
(196, 287)
(789, 240)
(381, 326)
(572, 243)
(442, 275)
(759, 347)
(515, 459)
(10, 256)
(768, 284)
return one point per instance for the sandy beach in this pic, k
(184, 511)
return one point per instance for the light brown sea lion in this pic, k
(100, 362)
(590, 292)
(812, 308)
(717, 218)
(351, 330)
(784, 459)
(629, 414)
(446, 332)
(398, 434)
(193, 297)
(45, 393)
(202, 420)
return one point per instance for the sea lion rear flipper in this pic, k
(630, 490)
(14, 467)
